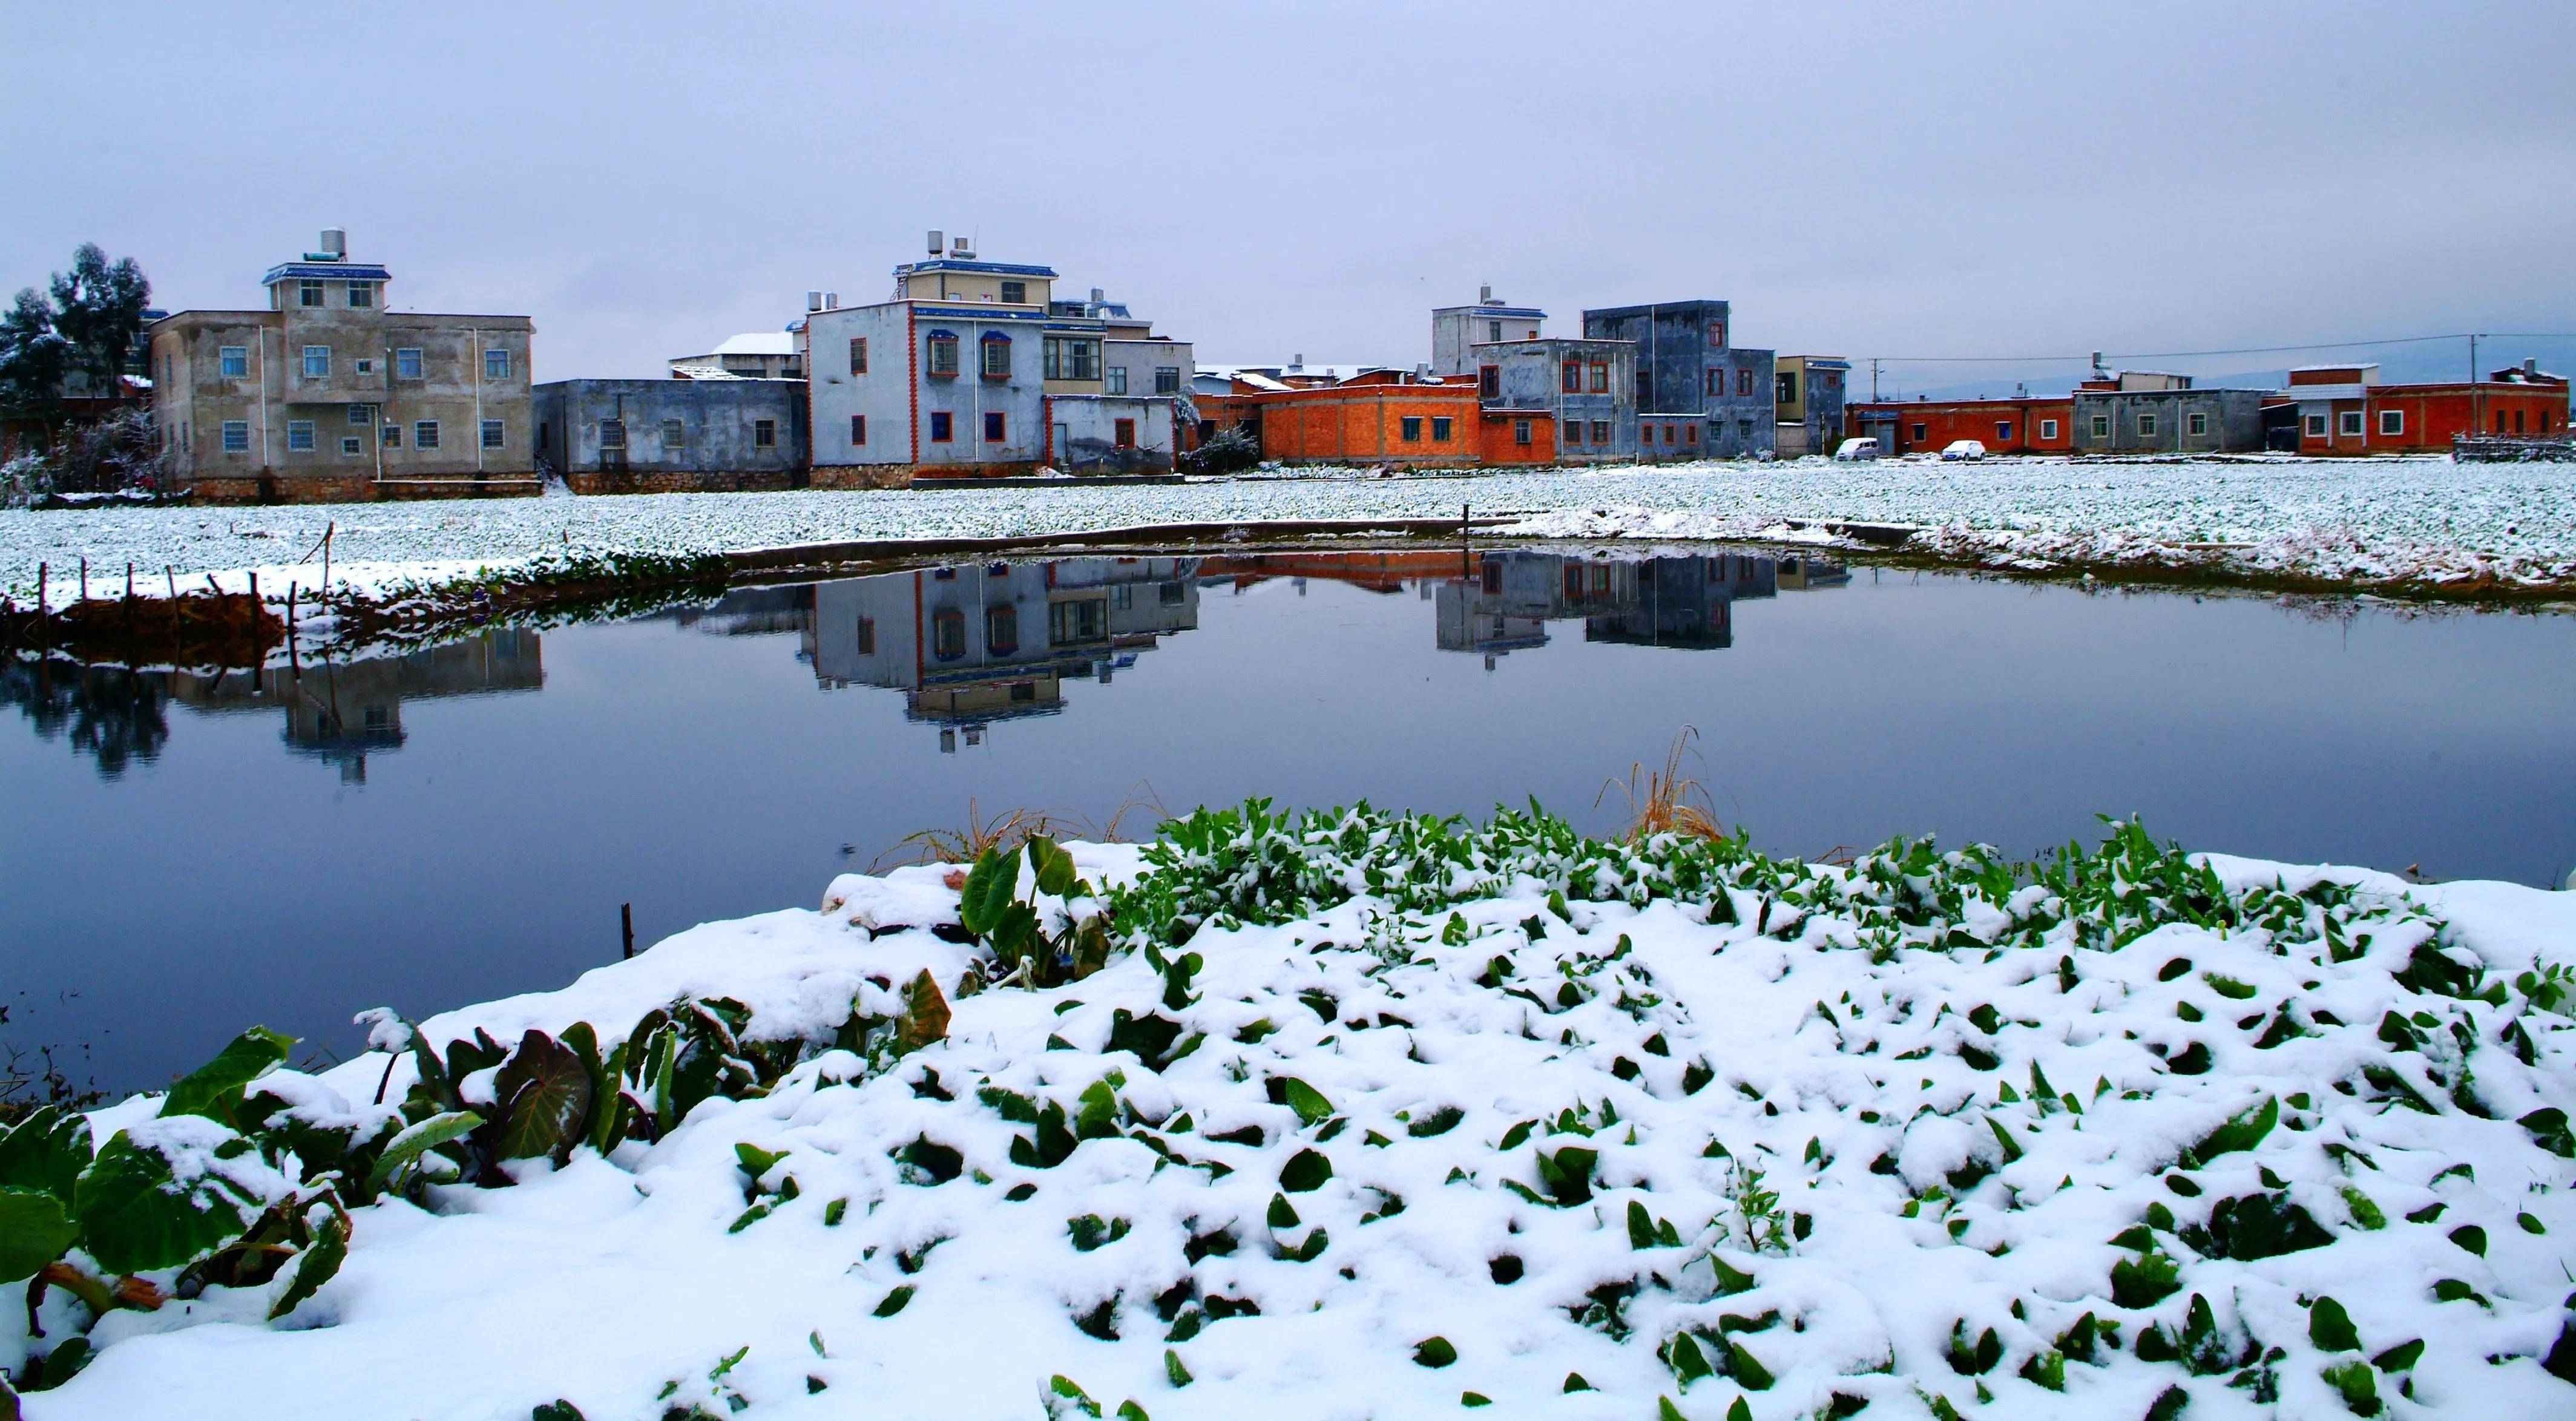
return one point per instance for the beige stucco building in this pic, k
(330, 396)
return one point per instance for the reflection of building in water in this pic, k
(341, 712)
(972, 645)
(1659, 601)
(1803, 574)
(752, 611)
(113, 714)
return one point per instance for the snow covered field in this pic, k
(1382, 1118)
(2377, 517)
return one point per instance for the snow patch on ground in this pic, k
(1955, 1138)
(2369, 518)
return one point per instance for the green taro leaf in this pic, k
(314, 1266)
(418, 1140)
(2242, 1131)
(134, 1217)
(1309, 1103)
(1054, 867)
(2549, 1130)
(756, 1161)
(2401, 1357)
(543, 1096)
(1438, 1122)
(34, 1231)
(211, 1089)
(2330, 1327)
(46, 1151)
(1305, 1172)
(992, 885)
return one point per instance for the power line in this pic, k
(2087, 356)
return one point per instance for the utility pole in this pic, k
(2477, 401)
(1873, 380)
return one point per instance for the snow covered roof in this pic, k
(759, 343)
(1334, 373)
(703, 372)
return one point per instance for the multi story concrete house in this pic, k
(732, 434)
(1456, 330)
(328, 395)
(1588, 385)
(1697, 396)
(1808, 403)
(971, 369)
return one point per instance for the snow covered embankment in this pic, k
(1382, 1116)
(2339, 556)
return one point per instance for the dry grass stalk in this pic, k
(1004, 832)
(1671, 802)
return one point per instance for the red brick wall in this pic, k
(2432, 414)
(1945, 420)
(1497, 444)
(1364, 424)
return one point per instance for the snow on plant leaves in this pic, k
(1487, 1157)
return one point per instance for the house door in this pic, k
(1063, 445)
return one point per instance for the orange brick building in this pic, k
(2022, 425)
(1409, 423)
(2344, 410)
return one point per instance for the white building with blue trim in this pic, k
(973, 370)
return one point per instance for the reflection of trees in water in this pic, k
(112, 714)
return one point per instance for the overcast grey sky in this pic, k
(1268, 179)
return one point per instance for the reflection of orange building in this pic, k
(1375, 571)
(1407, 423)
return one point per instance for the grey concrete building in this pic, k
(327, 395)
(2147, 412)
(1589, 385)
(1112, 434)
(673, 436)
(1697, 395)
(1456, 330)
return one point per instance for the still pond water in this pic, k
(184, 856)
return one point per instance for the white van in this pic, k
(1865, 447)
